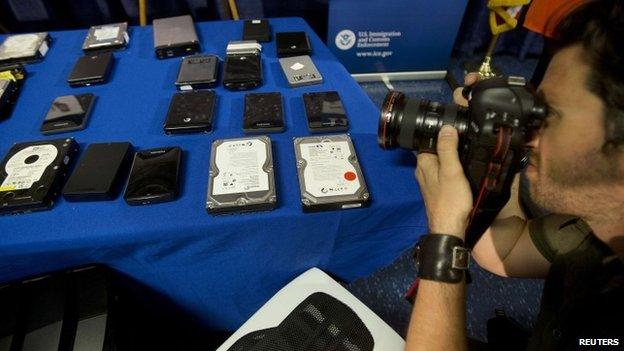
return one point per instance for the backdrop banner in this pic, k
(394, 35)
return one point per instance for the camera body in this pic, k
(502, 116)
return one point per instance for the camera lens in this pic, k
(414, 123)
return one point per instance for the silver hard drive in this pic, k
(330, 176)
(241, 176)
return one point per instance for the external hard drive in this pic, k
(241, 176)
(257, 30)
(263, 113)
(68, 113)
(91, 69)
(175, 36)
(324, 112)
(198, 72)
(32, 174)
(106, 37)
(100, 173)
(190, 112)
(330, 177)
(154, 177)
(243, 65)
(292, 44)
(300, 71)
(11, 81)
(24, 48)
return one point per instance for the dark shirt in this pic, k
(583, 295)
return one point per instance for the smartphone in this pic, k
(154, 176)
(325, 113)
(263, 113)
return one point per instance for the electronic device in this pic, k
(258, 30)
(263, 113)
(292, 44)
(330, 177)
(154, 176)
(175, 36)
(100, 172)
(11, 81)
(32, 174)
(300, 71)
(190, 112)
(503, 114)
(24, 48)
(324, 112)
(243, 65)
(91, 69)
(106, 37)
(198, 72)
(241, 176)
(68, 113)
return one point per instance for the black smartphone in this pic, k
(154, 176)
(68, 113)
(190, 112)
(100, 173)
(242, 71)
(324, 112)
(263, 113)
(198, 72)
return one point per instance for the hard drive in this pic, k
(100, 173)
(11, 81)
(256, 29)
(330, 177)
(190, 112)
(175, 36)
(106, 37)
(154, 177)
(292, 44)
(32, 174)
(263, 113)
(68, 113)
(91, 69)
(24, 48)
(324, 112)
(241, 177)
(300, 71)
(198, 72)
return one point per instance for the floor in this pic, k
(384, 291)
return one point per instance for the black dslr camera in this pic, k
(502, 115)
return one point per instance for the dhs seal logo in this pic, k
(345, 39)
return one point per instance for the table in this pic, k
(221, 269)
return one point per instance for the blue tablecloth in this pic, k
(221, 269)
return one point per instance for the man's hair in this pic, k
(599, 27)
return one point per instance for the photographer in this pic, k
(576, 171)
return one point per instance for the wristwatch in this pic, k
(442, 258)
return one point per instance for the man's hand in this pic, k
(470, 79)
(445, 189)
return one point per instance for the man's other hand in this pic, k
(469, 80)
(444, 187)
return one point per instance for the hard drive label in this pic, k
(329, 172)
(106, 33)
(27, 166)
(240, 165)
(43, 49)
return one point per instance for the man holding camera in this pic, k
(576, 171)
